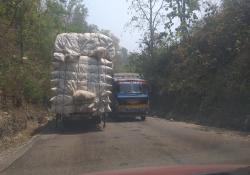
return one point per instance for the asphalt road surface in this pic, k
(128, 144)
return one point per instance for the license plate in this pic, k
(142, 106)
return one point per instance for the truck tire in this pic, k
(143, 118)
(97, 120)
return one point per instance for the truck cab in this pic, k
(130, 96)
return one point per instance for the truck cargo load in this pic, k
(81, 76)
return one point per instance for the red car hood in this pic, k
(174, 170)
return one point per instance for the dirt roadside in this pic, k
(18, 128)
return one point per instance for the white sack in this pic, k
(67, 43)
(82, 98)
(81, 95)
(94, 61)
(83, 68)
(71, 91)
(62, 109)
(106, 100)
(71, 108)
(84, 44)
(107, 108)
(91, 77)
(71, 83)
(59, 57)
(106, 93)
(62, 100)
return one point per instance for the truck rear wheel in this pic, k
(97, 120)
(143, 118)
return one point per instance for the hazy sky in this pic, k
(112, 15)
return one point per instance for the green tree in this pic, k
(28, 30)
(147, 15)
(205, 76)
(77, 13)
(185, 11)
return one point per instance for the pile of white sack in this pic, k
(82, 73)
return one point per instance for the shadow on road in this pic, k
(124, 119)
(72, 127)
(78, 126)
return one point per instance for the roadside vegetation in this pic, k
(201, 70)
(27, 32)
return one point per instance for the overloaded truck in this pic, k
(82, 76)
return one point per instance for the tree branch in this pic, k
(143, 11)
(158, 11)
(154, 4)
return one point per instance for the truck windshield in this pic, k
(132, 87)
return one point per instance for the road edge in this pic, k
(8, 157)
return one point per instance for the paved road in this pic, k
(128, 144)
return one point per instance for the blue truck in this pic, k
(130, 96)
